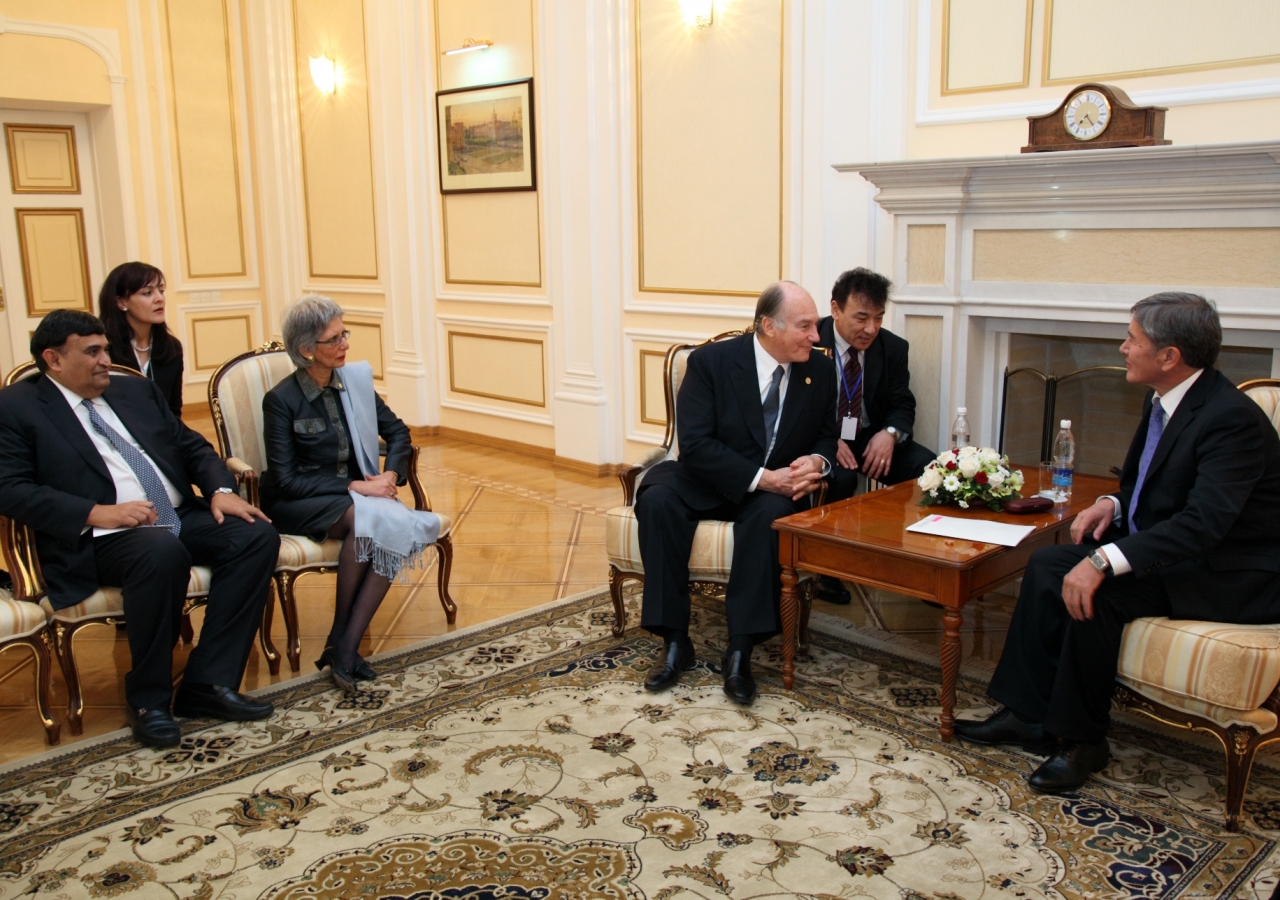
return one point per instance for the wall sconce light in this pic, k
(468, 45)
(324, 72)
(698, 13)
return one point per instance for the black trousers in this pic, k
(152, 567)
(1061, 672)
(909, 460)
(667, 524)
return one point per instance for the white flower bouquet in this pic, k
(970, 475)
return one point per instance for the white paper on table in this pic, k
(972, 530)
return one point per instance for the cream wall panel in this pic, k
(924, 333)
(497, 367)
(51, 70)
(926, 254)
(492, 239)
(1221, 257)
(42, 159)
(1088, 39)
(710, 147)
(653, 403)
(55, 265)
(986, 44)
(216, 338)
(366, 343)
(204, 130)
(508, 23)
(336, 153)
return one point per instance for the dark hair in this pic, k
(864, 283)
(769, 303)
(124, 281)
(1186, 321)
(55, 328)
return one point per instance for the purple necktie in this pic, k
(1155, 428)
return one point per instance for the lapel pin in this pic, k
(808, 381)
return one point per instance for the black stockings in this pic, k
(360, 592)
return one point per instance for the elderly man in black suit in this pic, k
(876, 410)
(756, 433)
(1191, 535)
(102, 470)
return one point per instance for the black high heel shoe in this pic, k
(341, 675)
(361, 671)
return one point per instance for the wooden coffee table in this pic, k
(864, 539)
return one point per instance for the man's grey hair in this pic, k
(770, 302)
(1186, 321)
(304, 321)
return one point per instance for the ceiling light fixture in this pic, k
(468, 45)
(324, 72)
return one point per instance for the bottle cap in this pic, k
(1065, 423)
(961, 411)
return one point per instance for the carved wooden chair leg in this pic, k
(1242, 743)
(264, 631)
(39, 643)
(445, 546)
(616, 580)
(188, 632)
(67, 660)
(285, 582)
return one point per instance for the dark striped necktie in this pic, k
(152, 486)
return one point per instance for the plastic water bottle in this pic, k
(960, 429)
(1064, 463)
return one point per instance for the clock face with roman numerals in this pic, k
(1087, 115)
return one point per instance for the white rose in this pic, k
(931, 480)
(988, 455)
(996, 478)
(946, 458)
(968, 465)
(966, 452)
(962, 504)
(951, 483)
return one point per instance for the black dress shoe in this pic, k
(738, 683)
(677, 657)
(153, 727)
(213, 701)
(361, 671)
(832, 590)
(342, 677)
(1070, 767)
(1004, 727)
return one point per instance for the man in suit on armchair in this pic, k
(876, 411)
(756, 433)
(1190, 535)
(102, 470)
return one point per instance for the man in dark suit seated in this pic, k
(102, 470)
(876, 410)
(1191, 535)
(756, 434)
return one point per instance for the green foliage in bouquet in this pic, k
(969, 476)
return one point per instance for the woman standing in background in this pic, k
(131, 307)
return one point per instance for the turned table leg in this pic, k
(952, 617)
(790, 615)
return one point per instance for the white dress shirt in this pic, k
(1168, 405)
(766, 365)
(843, 348)
(128, 487)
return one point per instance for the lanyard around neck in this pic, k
(851, 391)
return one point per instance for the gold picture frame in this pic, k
(39, 303)
(13, 133)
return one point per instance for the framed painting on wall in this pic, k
(486, 138)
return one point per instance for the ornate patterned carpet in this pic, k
(523, 760)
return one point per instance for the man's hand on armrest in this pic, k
(122, 515)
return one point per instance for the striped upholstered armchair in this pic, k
(1211, 677)
(712, 542)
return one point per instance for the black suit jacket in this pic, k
(51, 475)
(1207, 513)
(886, 383)
(166, 375)
(720, 423)
(302, 447)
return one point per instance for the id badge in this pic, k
(848, 428)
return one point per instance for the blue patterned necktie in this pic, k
(771, 408)
(1155, 428)
(152, 486)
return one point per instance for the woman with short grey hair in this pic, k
(321, 426)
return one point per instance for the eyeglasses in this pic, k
(343, 338)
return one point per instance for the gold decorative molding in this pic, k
(782, 117)
(444, 230)
(355, 324)
(223, 351)
(39, 272)
(233, 148)
(20, 180)
(645, 356)
(542, 374)
(947, 90)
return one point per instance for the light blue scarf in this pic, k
(387, 531)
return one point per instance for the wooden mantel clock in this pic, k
(1094, 116)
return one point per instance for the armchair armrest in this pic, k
(245, 476)
(629, 476)
(18, 545)
(421, 501)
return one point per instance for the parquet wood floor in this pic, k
(525, 532)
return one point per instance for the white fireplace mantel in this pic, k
(961, 287)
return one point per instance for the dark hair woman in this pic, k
(131, 306)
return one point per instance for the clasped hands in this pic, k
(797, 480)
(383, 485)
(1083, 580)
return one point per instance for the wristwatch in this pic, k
(898, 436)
(1100, 562)
(225, 491)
